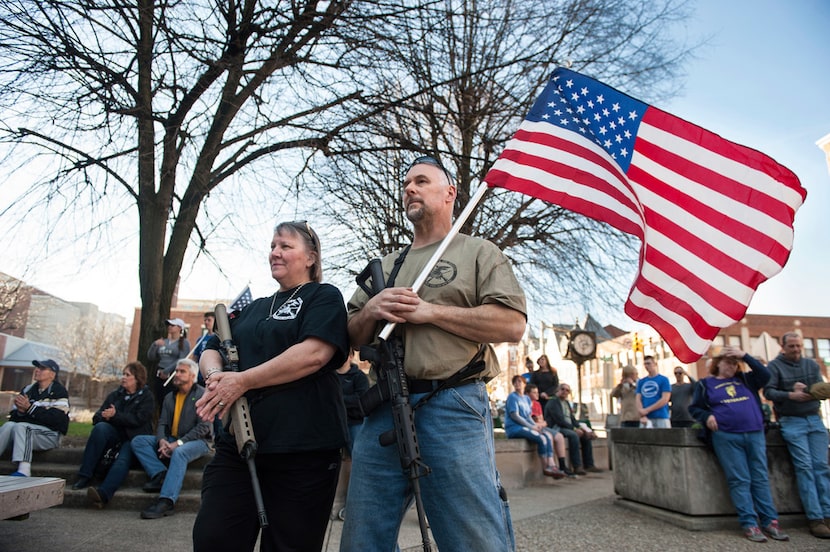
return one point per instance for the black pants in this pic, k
(297, 489)
(574, 442)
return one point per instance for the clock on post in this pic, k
(582, 345)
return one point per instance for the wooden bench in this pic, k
(21, 495)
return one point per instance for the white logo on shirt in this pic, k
(289, 310)
(650, 389)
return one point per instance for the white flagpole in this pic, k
(445, 243)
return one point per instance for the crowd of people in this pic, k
(728, 409)
(299, 393)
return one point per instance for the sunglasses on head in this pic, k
(430, 160)
(302, 226)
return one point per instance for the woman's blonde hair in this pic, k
(312, 241)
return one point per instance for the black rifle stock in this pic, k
(387, 358)
(241, 427)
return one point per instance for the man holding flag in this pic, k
(470, 298)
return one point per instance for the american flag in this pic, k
(243, 300)
(715, 217)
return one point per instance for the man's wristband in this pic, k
(179, 442)
(211, 372)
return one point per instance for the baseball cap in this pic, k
(176, 322)
(48, 363)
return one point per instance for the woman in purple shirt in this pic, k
(727, 404)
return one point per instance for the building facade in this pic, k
(757, 334)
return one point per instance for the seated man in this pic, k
(181, 437)
(558, 413)
(38, 418)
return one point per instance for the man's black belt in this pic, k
(418, 386)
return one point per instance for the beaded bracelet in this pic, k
(210, 373)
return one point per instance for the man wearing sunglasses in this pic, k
(681, 398)
(471, 298)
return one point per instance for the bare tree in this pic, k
(93, 347)
(485, 62)
(15, 297)
(154, 104)
(154, 111)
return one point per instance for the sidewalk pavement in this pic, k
(573, 515)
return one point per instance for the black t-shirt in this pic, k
(546, 381)
(307, 414)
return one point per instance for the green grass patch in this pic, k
(78, 429)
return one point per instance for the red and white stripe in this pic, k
(715, 217)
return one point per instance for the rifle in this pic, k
(241, 427)
(387, 359)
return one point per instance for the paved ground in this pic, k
(564, 515)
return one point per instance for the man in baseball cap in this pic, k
(47, 364)
(38, 418)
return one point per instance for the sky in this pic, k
(761, 81)
(764, 82)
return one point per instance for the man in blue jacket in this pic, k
(181, 437)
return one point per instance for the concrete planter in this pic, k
(672, 469)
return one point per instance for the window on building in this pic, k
(718, 341)
(824, 349)
(735, 340)
(809, 350)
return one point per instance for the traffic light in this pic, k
(637, 344)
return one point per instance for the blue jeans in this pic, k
(544, 441)
(103, 436)
(354, 429)
(575, 443)
(743, 457)
(660, 423)
(118, 472)
(807, 442)
(145, 447)
(460, 495)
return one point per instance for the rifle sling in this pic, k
(397, 267)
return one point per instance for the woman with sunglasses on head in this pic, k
(290, 345)
(727, 404)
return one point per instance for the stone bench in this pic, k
(516, 459)
(673, 470)
(519, 465)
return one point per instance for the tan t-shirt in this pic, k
(471, 272)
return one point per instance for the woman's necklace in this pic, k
(271, 310)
